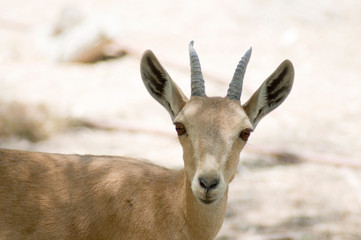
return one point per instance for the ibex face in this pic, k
(212, 134)
(214, 130)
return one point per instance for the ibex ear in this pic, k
(271, 94)
(160, 85)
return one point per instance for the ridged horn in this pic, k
(235, 87)
(197, 82)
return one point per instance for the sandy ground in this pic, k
(271, 197)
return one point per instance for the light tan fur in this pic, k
(55, 196)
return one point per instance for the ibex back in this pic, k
(55, 196)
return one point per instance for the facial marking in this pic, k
(212, 143)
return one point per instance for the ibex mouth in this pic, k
(207, 200)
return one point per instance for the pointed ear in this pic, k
(160, 85)
(271, 94)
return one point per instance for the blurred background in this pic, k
(70, 83)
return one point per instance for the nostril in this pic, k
(208, 183)
(214, 184)
(203, 182)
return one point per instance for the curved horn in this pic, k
(197, 82)
(235, 87)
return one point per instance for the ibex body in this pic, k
(54, 196)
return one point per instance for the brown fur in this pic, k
(54, 196)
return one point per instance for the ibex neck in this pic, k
(202, 221)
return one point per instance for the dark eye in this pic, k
(180, 129)
(244, 135)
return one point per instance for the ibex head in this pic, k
(214, 130)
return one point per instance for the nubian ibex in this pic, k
(55, 196)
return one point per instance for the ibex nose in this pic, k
(208, 182)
